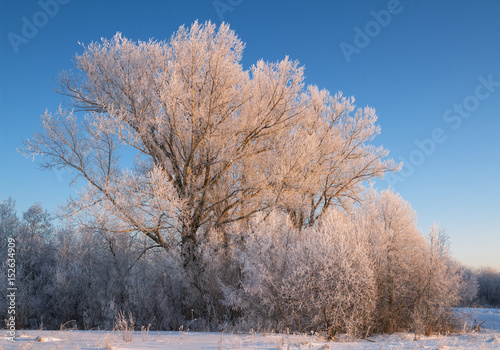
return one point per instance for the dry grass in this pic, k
(125, 325)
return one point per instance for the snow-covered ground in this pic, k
(487, 338)
(487, 318)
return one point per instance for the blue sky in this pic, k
(431, 69)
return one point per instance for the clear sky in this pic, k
(431, 69)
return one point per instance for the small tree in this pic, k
(398, 254)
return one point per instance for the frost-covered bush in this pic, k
(417, 280)
(358, 271)
(369, 270)
(315, 279)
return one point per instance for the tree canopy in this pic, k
(213, 143)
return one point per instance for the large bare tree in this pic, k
(212, 143)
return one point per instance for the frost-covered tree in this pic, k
(9, 222)
(398, 254)
(33, 259)
(213, 143)
(444, 279)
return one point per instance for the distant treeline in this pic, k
(488, 286)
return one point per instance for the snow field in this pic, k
(487, 338)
